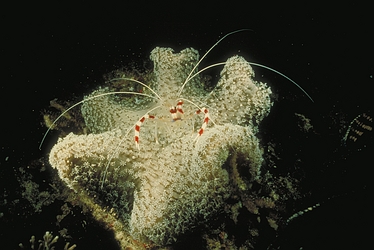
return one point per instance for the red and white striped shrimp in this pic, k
(174, 103)
(176, 111)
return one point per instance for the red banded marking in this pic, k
(205, 122)
(177, 111)
(137, 128)
(179, 107)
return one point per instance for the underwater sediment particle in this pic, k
(173, 182)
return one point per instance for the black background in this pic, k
(56, 51)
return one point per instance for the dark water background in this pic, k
(66, 50)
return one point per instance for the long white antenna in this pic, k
(202, 58)
(258, 65)
(281, 74)
(100, 95)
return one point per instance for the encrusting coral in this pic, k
(174, 182)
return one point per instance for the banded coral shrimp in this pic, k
(173, 109)
(168, 102)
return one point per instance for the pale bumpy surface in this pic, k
(172, 183)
